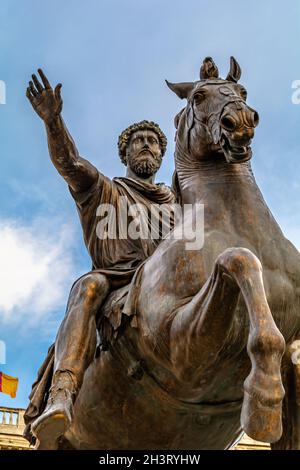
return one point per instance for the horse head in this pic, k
(217, 121)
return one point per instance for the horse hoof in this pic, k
(261, 422)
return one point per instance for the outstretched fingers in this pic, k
(57, 91)
(38, 85)
(44, 79)
(32, 89)
(29, 95)
(46, 101)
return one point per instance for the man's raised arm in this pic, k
(78, 172)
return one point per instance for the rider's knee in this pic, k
(92, 286)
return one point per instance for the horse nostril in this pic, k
(255, 119)
(228, 123)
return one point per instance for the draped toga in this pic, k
(119, 257)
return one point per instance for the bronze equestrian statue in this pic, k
(205, 349)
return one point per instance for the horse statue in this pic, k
(205, 352)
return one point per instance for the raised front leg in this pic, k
(200, 330)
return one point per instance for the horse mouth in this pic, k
(235, 153)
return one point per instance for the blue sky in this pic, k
(112, 58)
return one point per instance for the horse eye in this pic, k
(199, 97)
(243, 92)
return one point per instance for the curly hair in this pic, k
(139, 126)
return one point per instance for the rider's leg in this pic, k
(76, 339)
(74, 350)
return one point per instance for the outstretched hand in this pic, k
(46, 102)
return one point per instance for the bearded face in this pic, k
(144, 153)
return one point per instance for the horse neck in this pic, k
(202, 180)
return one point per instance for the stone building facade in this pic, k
(11, 429)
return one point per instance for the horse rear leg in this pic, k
(207, 320)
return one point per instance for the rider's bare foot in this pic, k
(58, 414)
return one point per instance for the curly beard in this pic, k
(147, 166)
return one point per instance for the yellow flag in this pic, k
(8, 385)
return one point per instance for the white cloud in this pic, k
(36, 272)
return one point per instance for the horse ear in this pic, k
(235, 71)
(182, 90)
